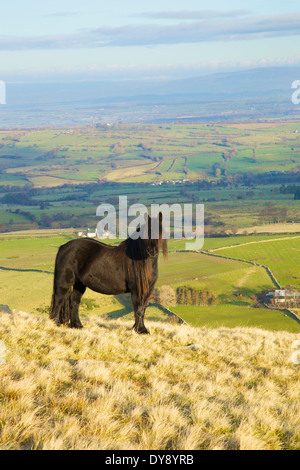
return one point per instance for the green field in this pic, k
(222, 276)
(281, 256)
(67, 172)
(44, 157)
(231, 316)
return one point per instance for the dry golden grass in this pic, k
(105, 387)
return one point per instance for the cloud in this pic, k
(192, 15)
(250, 27)
(62, 14)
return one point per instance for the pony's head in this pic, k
(153, 234)
(142, 249)
(147, 240)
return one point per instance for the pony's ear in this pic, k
(160, 225)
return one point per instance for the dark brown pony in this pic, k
(112, 270)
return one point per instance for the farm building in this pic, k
(88, 234)
(283, 298)
(104, 234)
(95, 234)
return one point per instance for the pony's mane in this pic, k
(137, 257)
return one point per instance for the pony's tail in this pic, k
(51, 311)
(60, 310)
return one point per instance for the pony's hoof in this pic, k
(76, 325)
(142, 331)
(56, 321)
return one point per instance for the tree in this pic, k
(217, 172)
(180, 295)
(203, 297)
(214, 299)
(167, 296)
(188, 296)
(195, 300)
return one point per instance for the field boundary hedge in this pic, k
(19, 270)
(168, 312)
(255, 242)
(268, 270)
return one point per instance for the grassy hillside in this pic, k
(105, 387)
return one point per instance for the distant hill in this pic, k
(271, 87)
(248, 83)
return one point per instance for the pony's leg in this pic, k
(139, 307)
(60, 305)
(75, 299)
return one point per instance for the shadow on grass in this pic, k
(124, 300)
(156, 312)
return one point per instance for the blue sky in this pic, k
(92, 39)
